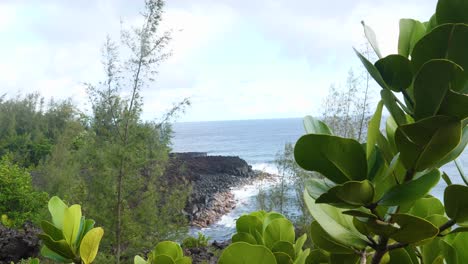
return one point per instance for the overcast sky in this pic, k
(236, 59)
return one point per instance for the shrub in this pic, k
(165, 252)
(18, 199)
(374, 203)
(265, 238)
(195, 242)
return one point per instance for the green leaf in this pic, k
(48, 253)
(370, 35)
(389, 101)
(88, 224)
(90, 244)
(413, 229)
(374, 129)
(454, 104)
(424, 143)
(339, 226)
(184, 260)
(411, 31)
(460, 240)
(449, 252)
(244, 237)
(352, 193)
(443, 42)
(269, 217)
(318, 186)
(163, 259)
(250, 224)
(452, 11)
(372, 70)
(395, 71)
(168, 248)
(57, 209)
(411, 190)
(282, 258)
(72, 225)
(317, 256)
(300, 243)
(243, 253)
(364, 213)
(324, 241)
(456, 202)
(51, 230)
(314, 126)
(400, 256)
(302, 257)
(284, 247)
(432, 85)
(426, 207)
(139, 260)
(280, 229)
(60, 247)
(370, 226)
(338, 159)
(344, 258)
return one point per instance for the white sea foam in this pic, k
(266, 167)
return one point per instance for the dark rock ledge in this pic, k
(212, 178)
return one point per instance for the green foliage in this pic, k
(70, 237)
(265, 238)
(19, 201)
(195, 242)
(165, 252)
(374, 203)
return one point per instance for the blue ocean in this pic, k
(258, 142)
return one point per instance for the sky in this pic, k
(235, 59)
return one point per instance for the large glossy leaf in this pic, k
(249, 224)
(395, 71)
(163, 259)
(168, 248)
(431, 86)
(184, 260)
(324, 241)
(317, 186)
(57, 209)
(280, 229)
(269, 217)
(389, 101)
(373, 129)
(424, 143)
(282, 258)
(400, 256)
(72, 225)
(456, 151)
(302, 257)
(284, 247)
(243, 253)
(459, 242)
(372, 70)
(372, 38)
(139, 260)
(443, 42)
(48, 253)
(60, 247)
(452, 11)
(456, 202)
(314, 126)
(411, 31)
(244, 237)
(90, 245)
(411, 190)
(352, 193)
(426, 207)
(51, 230)
(88, 224)
(338, 159)
(431, 251)
(454, 104)
(317, 256)
(339, 226)
(413, 229)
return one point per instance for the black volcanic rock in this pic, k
(212, 178)
(17, 244)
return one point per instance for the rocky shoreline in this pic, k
(212, 179)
